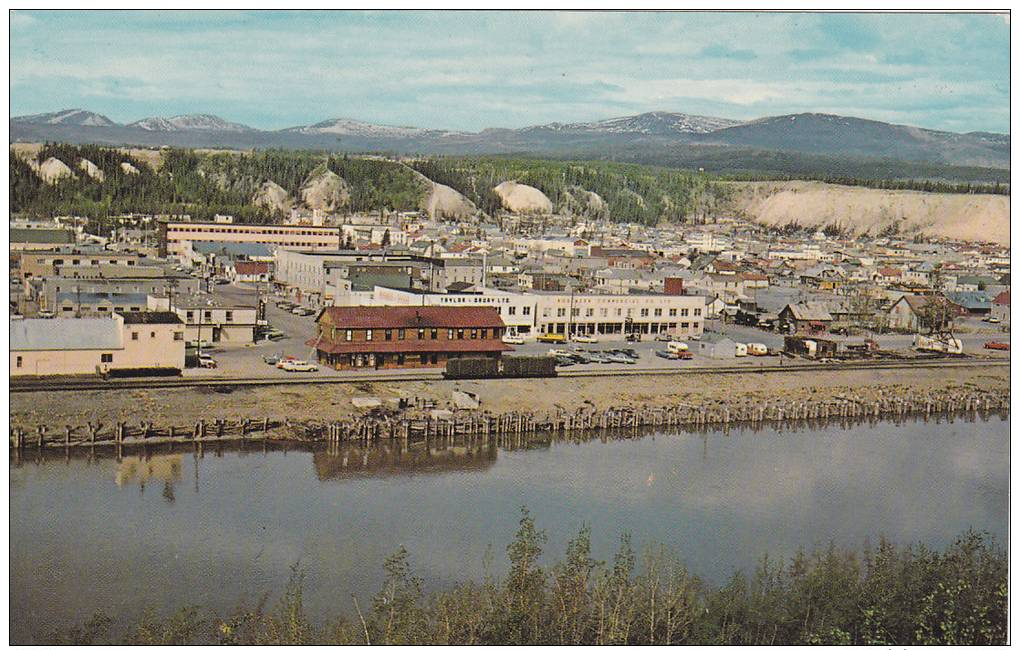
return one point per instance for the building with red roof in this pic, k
(406, 337)
(1000, 307)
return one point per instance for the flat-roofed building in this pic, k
(406, 337)
(174, 235)
(618, 315)
(134, 343)
(212, 320)
(26, 239)
(34, 264)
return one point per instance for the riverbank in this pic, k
(183, 407)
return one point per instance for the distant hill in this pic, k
(196, 122)
(810, 142)
(835, 135)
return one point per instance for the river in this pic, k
(217, 526)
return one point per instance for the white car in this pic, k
(513, 339)
(299, 366)
(585, 339)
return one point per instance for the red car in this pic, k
(996, 345)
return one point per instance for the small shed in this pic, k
(716, 346)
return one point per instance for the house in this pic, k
(908, 313)
(1000, 307)
(406, 337)
(806, 318)
(715, 346)
(250, 272)
(143, 343)
(975, 303)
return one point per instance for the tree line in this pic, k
(883, 595)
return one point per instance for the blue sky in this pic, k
(470, 70)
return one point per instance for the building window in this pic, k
(421, 333)
(134, 336)
(178, 336)
(349, 335)
(657, 312)
(672, 312)
(513, 310)
(191, 317)
(474, 333)
(152, 335)
(434, 334)
(19, 362)
(685, 312)
(208, 315)
(527, 310)
(561, 311)
(368, 335)
(400, 335)
(106, 358)
(449, 334)
(389, 335)
(485, 333)
(697, 312)
(230, 316)
(589, 312)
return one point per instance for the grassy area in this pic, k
(885, 595)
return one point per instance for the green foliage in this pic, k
(887, 596)
(632, 193)
(378, 184)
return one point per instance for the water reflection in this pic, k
(231, 519)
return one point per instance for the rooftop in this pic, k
(412, 317)
(65, 334)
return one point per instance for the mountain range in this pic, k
(655, 136)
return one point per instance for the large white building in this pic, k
(173, 236)
(540, 312)
(609, 315)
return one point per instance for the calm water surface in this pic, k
(218, 527)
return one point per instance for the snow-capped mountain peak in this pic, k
(192, 122)
(68, 117)
(654, 123)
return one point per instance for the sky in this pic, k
(472, 70)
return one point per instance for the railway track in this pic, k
(30, 386)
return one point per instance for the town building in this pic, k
(133, 343)
(806, 318)
(69, 261)
(212, 320)
(175, 237)
(1000, 307)
(406, 337)
(618, 315)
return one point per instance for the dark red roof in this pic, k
(1002, 299)
(251, 268)
(412, 317)
(441, 344)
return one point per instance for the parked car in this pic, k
(991, 319)
(205, 361)
(283, 360)
(274, 335)
(663, 336)
(997, 345)
(298, 365)
(551, 338)
(665, 354)
(272, 359)
(633, 337)
(585, 339)
(46, 314)
(513, 339)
